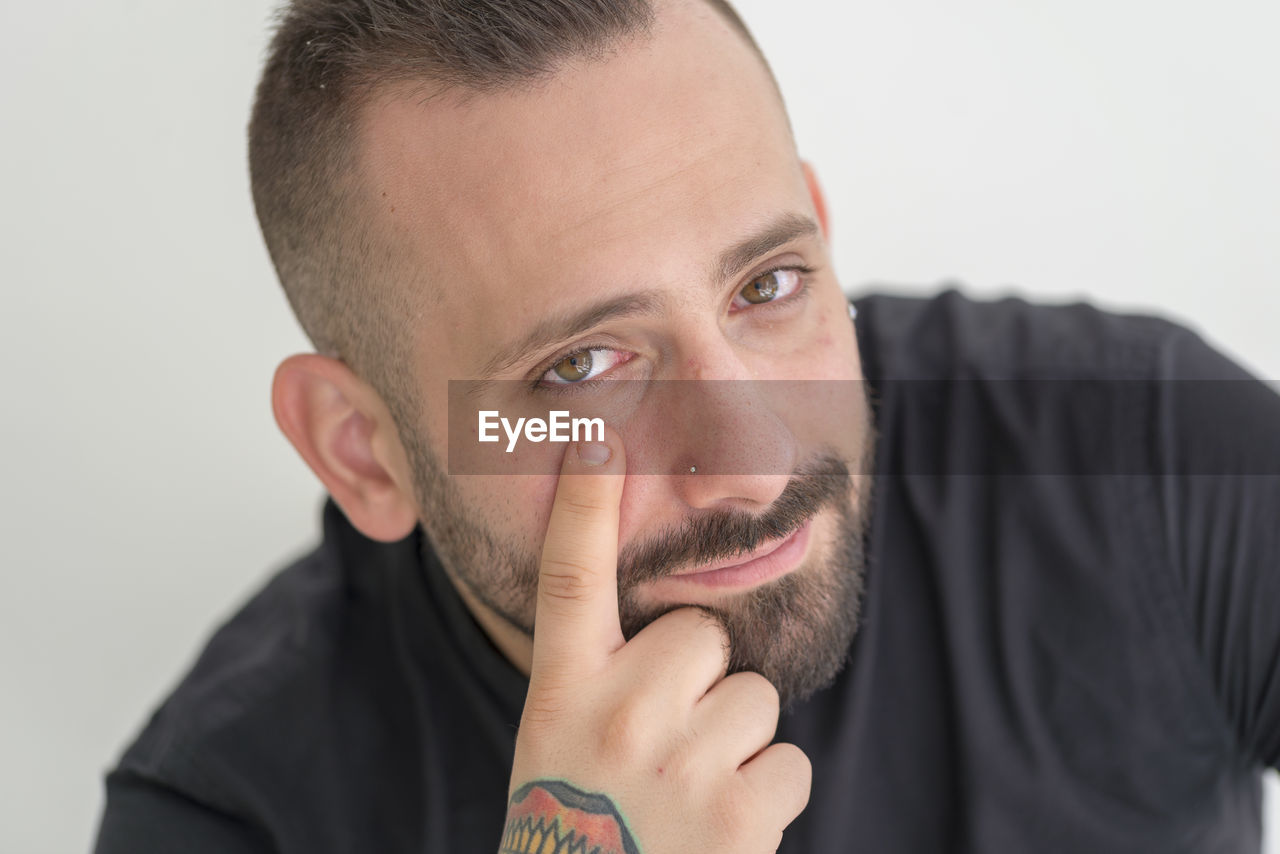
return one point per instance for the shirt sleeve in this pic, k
(143, 817)
(1219, 432)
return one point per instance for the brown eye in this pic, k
(762, 289)
(775, 286)
(583, 367)
(573, 367)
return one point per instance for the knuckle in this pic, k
(549, 703)
(680, 765)
(733, 813)
(678, 622)
(796, 771)
(710, 631)
(581, 507)
(719, 635)
(624, 735)
(760, 690)
(697, 632)
(539, 714)
(711, 622)
(752, 693)
(566, 579)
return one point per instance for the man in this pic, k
(1016, 592)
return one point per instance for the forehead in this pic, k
(614, 173)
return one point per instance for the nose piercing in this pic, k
(693, 469)
(853, 311)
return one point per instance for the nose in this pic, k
(729, 446)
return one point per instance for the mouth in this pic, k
(766, 562)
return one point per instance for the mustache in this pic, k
(702, 539)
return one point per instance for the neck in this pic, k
(515, 645)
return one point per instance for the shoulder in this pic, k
(1008, 386)
(952, 335)
(1178, 442)
(262, 701)
(249, 686)
(296, 716)
(1182, 406)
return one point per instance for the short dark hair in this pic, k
(325, 58)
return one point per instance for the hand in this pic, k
(643, 745)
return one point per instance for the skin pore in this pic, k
(662, 180)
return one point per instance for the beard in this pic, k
(795, 630)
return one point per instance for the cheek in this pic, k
(512, 509)
(834, 399)
(649, 504)
(820, 345)
(524, 509)
(836, 344)
(535, 498)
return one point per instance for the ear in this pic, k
(345, 433)
(815, 193)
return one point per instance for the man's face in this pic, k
(659, 184)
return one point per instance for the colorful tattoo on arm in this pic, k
(552, 817)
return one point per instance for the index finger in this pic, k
(576, 625)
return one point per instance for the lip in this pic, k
(766, 563)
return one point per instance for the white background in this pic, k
(1119, 151)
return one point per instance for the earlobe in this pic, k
(815, 193)
(344, 433)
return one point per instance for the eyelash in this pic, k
(801, 289)
(537, 384)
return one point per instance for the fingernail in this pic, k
(594, 453)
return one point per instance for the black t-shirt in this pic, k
(1070, 637)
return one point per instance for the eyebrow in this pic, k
(562, 327)
(783, 230)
